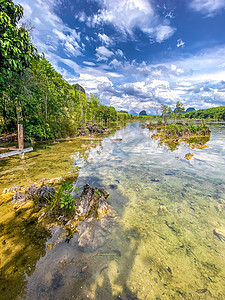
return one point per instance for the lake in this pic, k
(163, 237)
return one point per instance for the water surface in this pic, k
(157, 241)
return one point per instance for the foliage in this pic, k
(63, 201)
(34, 94)
(165, 111)
(16, 51)
(215, 113)
(97, 192)
(179, 107)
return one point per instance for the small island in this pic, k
(171, 132)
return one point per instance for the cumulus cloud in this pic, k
(91, 82)
(102, 53)
(197, 80)
(50, 32)
(128, 15)
(207, 7)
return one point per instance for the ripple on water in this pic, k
(158, 241)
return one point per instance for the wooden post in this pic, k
(20, 139)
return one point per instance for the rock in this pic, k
(92, 233)
(113, 186)
(19, 198)
(45, 193)
(12, 189)
(32, 191)
(83, 132)
(92, 201)
(91, 128)
(178, 133)
(162, 211)
(94, 129)
(186, 131)
(220, 234)
(220, 207)
(188, 156)
(155, 180)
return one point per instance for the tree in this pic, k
(16, 51)
(179, 108)
(164, 110)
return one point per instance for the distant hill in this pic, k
(216, 113)
(123, 111)
(142, 113)
(190, 109)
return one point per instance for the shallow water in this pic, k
(157, 241)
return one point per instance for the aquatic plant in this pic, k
(63, 201)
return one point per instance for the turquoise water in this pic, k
(158, 240)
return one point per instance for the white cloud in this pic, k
(37, 21)
(164, 32)
(197, 80)
(50, 31)
(27, 10)
(207, 7)
(105, 39)
(71, 50)
(127, 15)
(89, 63)
(90, 82)
(119, 52)
(102, 53)
(180, 43)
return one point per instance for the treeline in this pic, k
(215, 113)
(34, 94)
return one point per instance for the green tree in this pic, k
(164, 110)
(179, 107)
(16, 51)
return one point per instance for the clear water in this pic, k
(157, 241)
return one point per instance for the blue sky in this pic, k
(136, 54)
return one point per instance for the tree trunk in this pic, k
(46, 107)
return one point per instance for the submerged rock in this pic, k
(220, 234)
(92, 201)
(162, 211)
(188, 156)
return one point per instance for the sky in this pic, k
(135, 54)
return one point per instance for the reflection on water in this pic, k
(158, 240)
